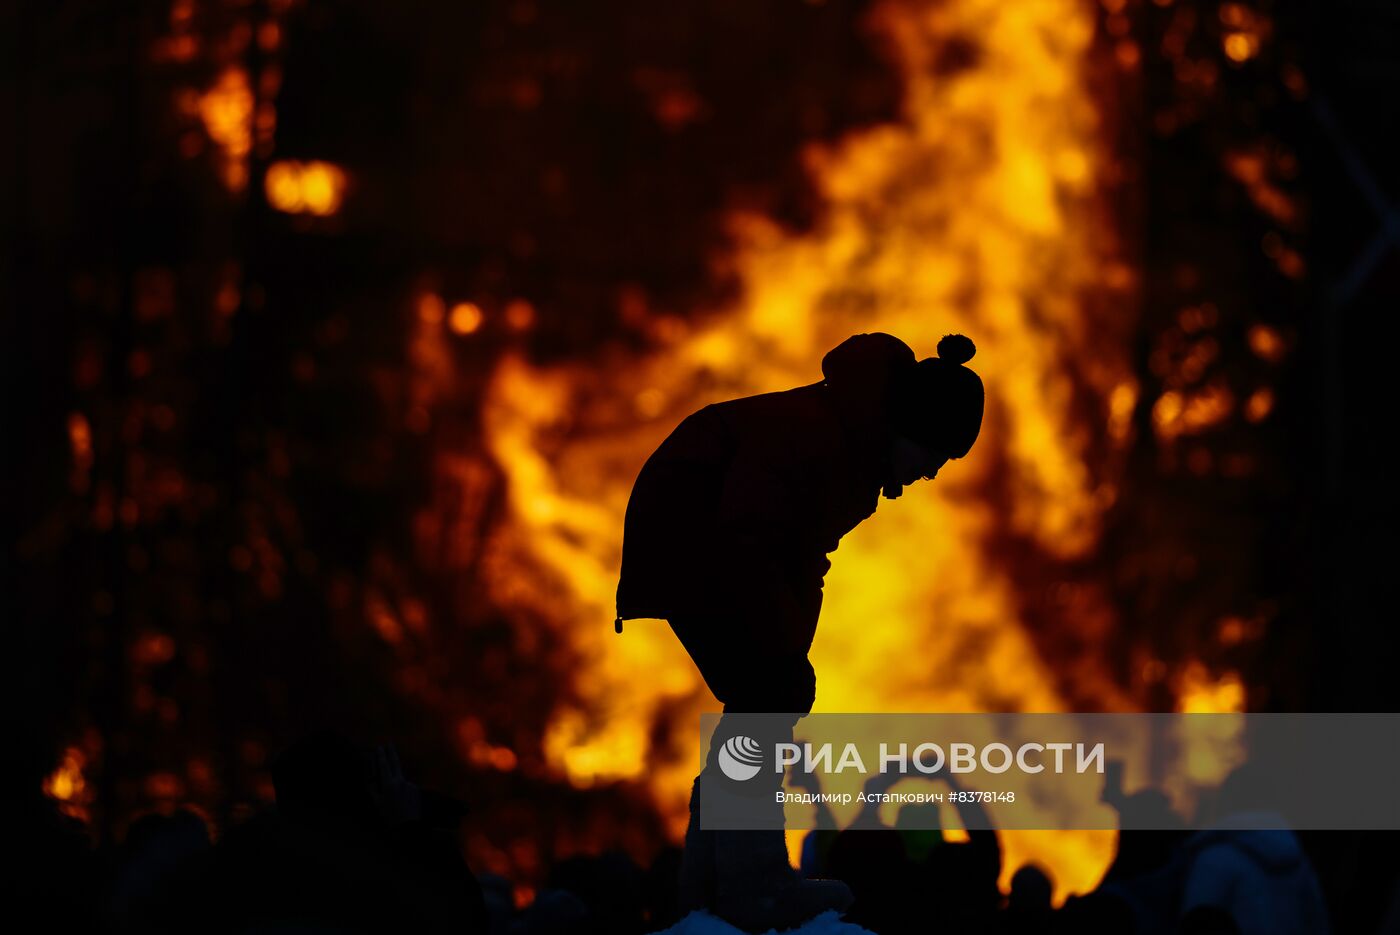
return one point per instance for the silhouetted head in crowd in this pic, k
(1030, 892)
(611, 888)
(324, 775)
(1097, 913)
(1248, 789)
(156, 859)
(920, 826)
(555, 912)
(498, 898)
(181, 830)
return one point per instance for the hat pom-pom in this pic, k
(956, 348)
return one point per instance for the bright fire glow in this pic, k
(305, 187)
(67, 784)
(978, 211)
(227, 112)
(466, 317)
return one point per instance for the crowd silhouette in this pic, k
(352, 845)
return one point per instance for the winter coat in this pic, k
(1262, 878)
(733, 516)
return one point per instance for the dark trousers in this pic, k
(748, 678)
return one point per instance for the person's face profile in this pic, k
(912, 461)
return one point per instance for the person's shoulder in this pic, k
(802, 402)
(787, 424)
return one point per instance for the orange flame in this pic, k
(977, 212)
(305, 187)
(68, 786)
(227, 111)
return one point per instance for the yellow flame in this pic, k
(1201, 693)
(976, 212)
(1217, 748)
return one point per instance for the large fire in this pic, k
(980, 211)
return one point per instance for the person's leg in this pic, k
(697, 879)
(738, 866)
(725, 653)
(762, 706)
(749, 678)
(756, 887)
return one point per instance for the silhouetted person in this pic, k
(1028, 908)
(961, 878)
(910, 879)
(726, 537)
(352, 846)
(662, 906)
(1140, 852)
(155, 884)
(1098, 913)
(1245, 866)
(876, 867)
(611, 889)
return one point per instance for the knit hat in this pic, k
(940, 403)
(865, 373)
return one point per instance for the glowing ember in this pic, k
(466, 318)
(80, 442)
(227, 112)
(1259, 405)
(67, 785)
(1245, 31)
(1186, 414)
(520, 314)
(975, 213)
(1267, 343)
(305, 187)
